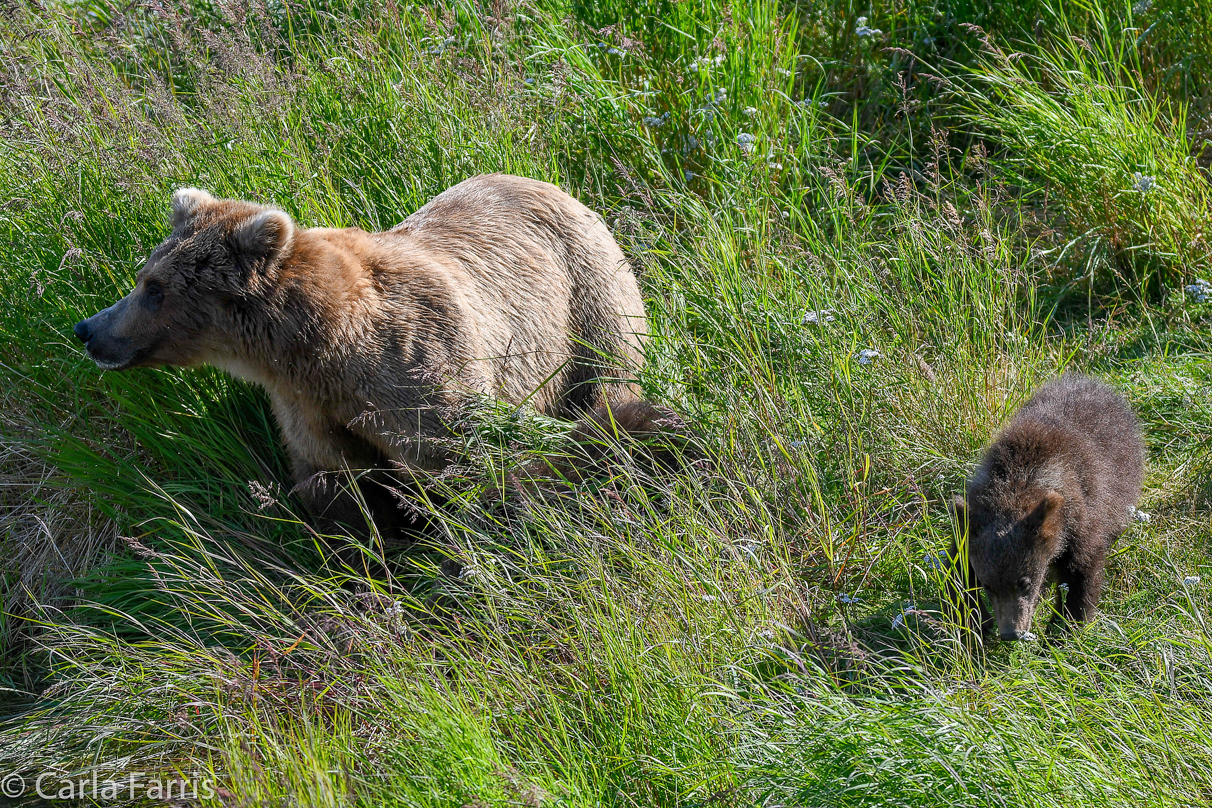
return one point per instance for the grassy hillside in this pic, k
(864, 233)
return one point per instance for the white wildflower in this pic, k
(687, 175)
(908, 609)
(706, 62)
(746, 141)
(1191, 580)
(751, 111)
(441, 47)
(861, 29)
(750, 550)
(1028, 636)
(615, 52)
(766, 634)
(1143, 183)
(819, 317)
(867, 356)
(1139, 515)
(782, 71)
(656, 121)
(844, 598)
(1201, 290)
(1141, 6)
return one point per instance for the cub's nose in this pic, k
(81, 331)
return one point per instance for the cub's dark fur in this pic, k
(1050, 496)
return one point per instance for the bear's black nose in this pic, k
(81, 330)
(1011, 636)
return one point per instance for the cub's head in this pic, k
(188, 296)
(1010, 548)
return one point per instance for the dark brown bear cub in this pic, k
(1050, 496)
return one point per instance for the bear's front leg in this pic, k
(329, 466)
(331, 498)
(1078, 593)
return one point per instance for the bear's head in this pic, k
(1010, 548)
(190, 294)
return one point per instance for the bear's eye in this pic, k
(1024, 586)
(154, 292)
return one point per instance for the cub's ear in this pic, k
(186, 202)
(262, 236)
(1048, 512)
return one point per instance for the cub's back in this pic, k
(1101, 429)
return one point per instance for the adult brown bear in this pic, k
(370, 343)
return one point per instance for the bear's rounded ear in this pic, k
(186, 202)
(1049, 514)
(263, 236)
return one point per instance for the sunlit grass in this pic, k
(845, 306)
(1077, 116)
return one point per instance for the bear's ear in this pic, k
(262, 236)
(1048, 512)
(186, 202)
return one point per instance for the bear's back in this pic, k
(543, 282)
(1090, 431)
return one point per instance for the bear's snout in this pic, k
(109, 350)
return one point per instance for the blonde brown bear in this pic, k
(369, 343)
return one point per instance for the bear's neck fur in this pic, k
(315, 294)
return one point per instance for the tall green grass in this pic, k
(846, 303)
(1078, 117)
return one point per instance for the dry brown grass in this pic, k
(50, 535)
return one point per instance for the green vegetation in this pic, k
(981, 195)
